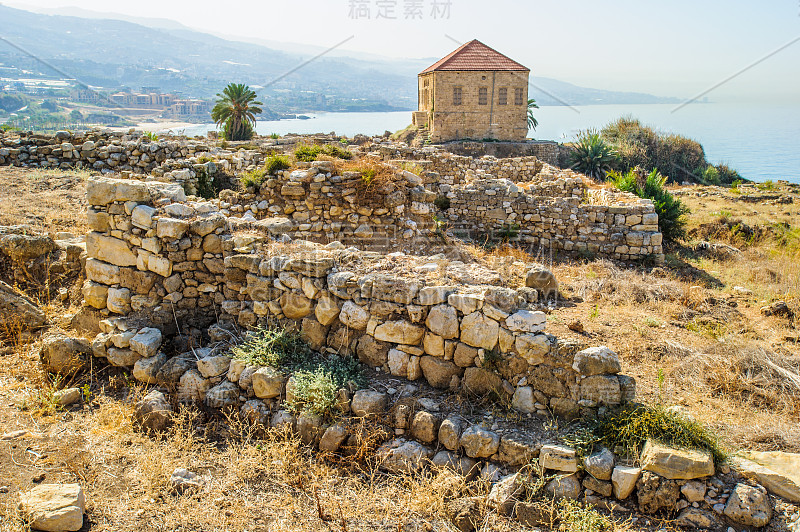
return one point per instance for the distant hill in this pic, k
(109, 52)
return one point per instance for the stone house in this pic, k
(474, 93)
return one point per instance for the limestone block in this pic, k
(109, 249)
(326, 311)
(624, 479)
(443, 321)
(142, 216)
(478, 330)
(268, 383)
(478, 442)
(439, 373)
(53, 507)
(399, 332)
(119, 300)
(558, 458)
(534, 348)
(601, 389)
(95, 294)
(596, 361)
(354, 316)
(295, 306)
(674, 463)
(527, 321)
(146, 342)
(369, 403)
(171, 228)
(749, 506)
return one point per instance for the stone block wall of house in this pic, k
(475, 105)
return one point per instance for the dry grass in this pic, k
(47, 200)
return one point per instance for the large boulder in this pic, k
(63, 355)
(656, 493)
(542, 280)
(749, 506)
(18, 312)
(153, 413)
(401, 456)
(777, 471)
(21, 248)
(439, 373)
(53, 507)
(479, 442)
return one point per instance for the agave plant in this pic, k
(532, 122)
(592, 156)
(236, 111)
(671, 211)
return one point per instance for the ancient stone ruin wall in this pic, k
(180, 160)
(555, 215)
(549, 152)
(158, 259)
(535, 204)
(457, 169)
(315, 203)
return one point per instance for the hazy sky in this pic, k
(670, 48)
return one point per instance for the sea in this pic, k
(762, 142)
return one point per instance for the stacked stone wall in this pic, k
(156, 258)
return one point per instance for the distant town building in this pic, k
(189, 108)
(474, 93)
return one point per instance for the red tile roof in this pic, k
(476, 56)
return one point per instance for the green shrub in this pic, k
(272, 347)
(711, 176)
(316, 377)
(314, 391)
(671, 211)
(677, 157)
(310, 153)
(575, 517)
(591, 155)
(253, 178)
(274, 136)
(275, 163)
(368, 176)
(627, 428)
(508, 231)
(149, 135)
(727, 175)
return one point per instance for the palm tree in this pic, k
(532, 122)
(236, 111)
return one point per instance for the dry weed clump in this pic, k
(746, 373)
(604, 281)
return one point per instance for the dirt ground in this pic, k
(691, 332)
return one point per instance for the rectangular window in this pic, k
(502, 97)
(456, 95)
(519, 96)
(425, 97)
(483, 96)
